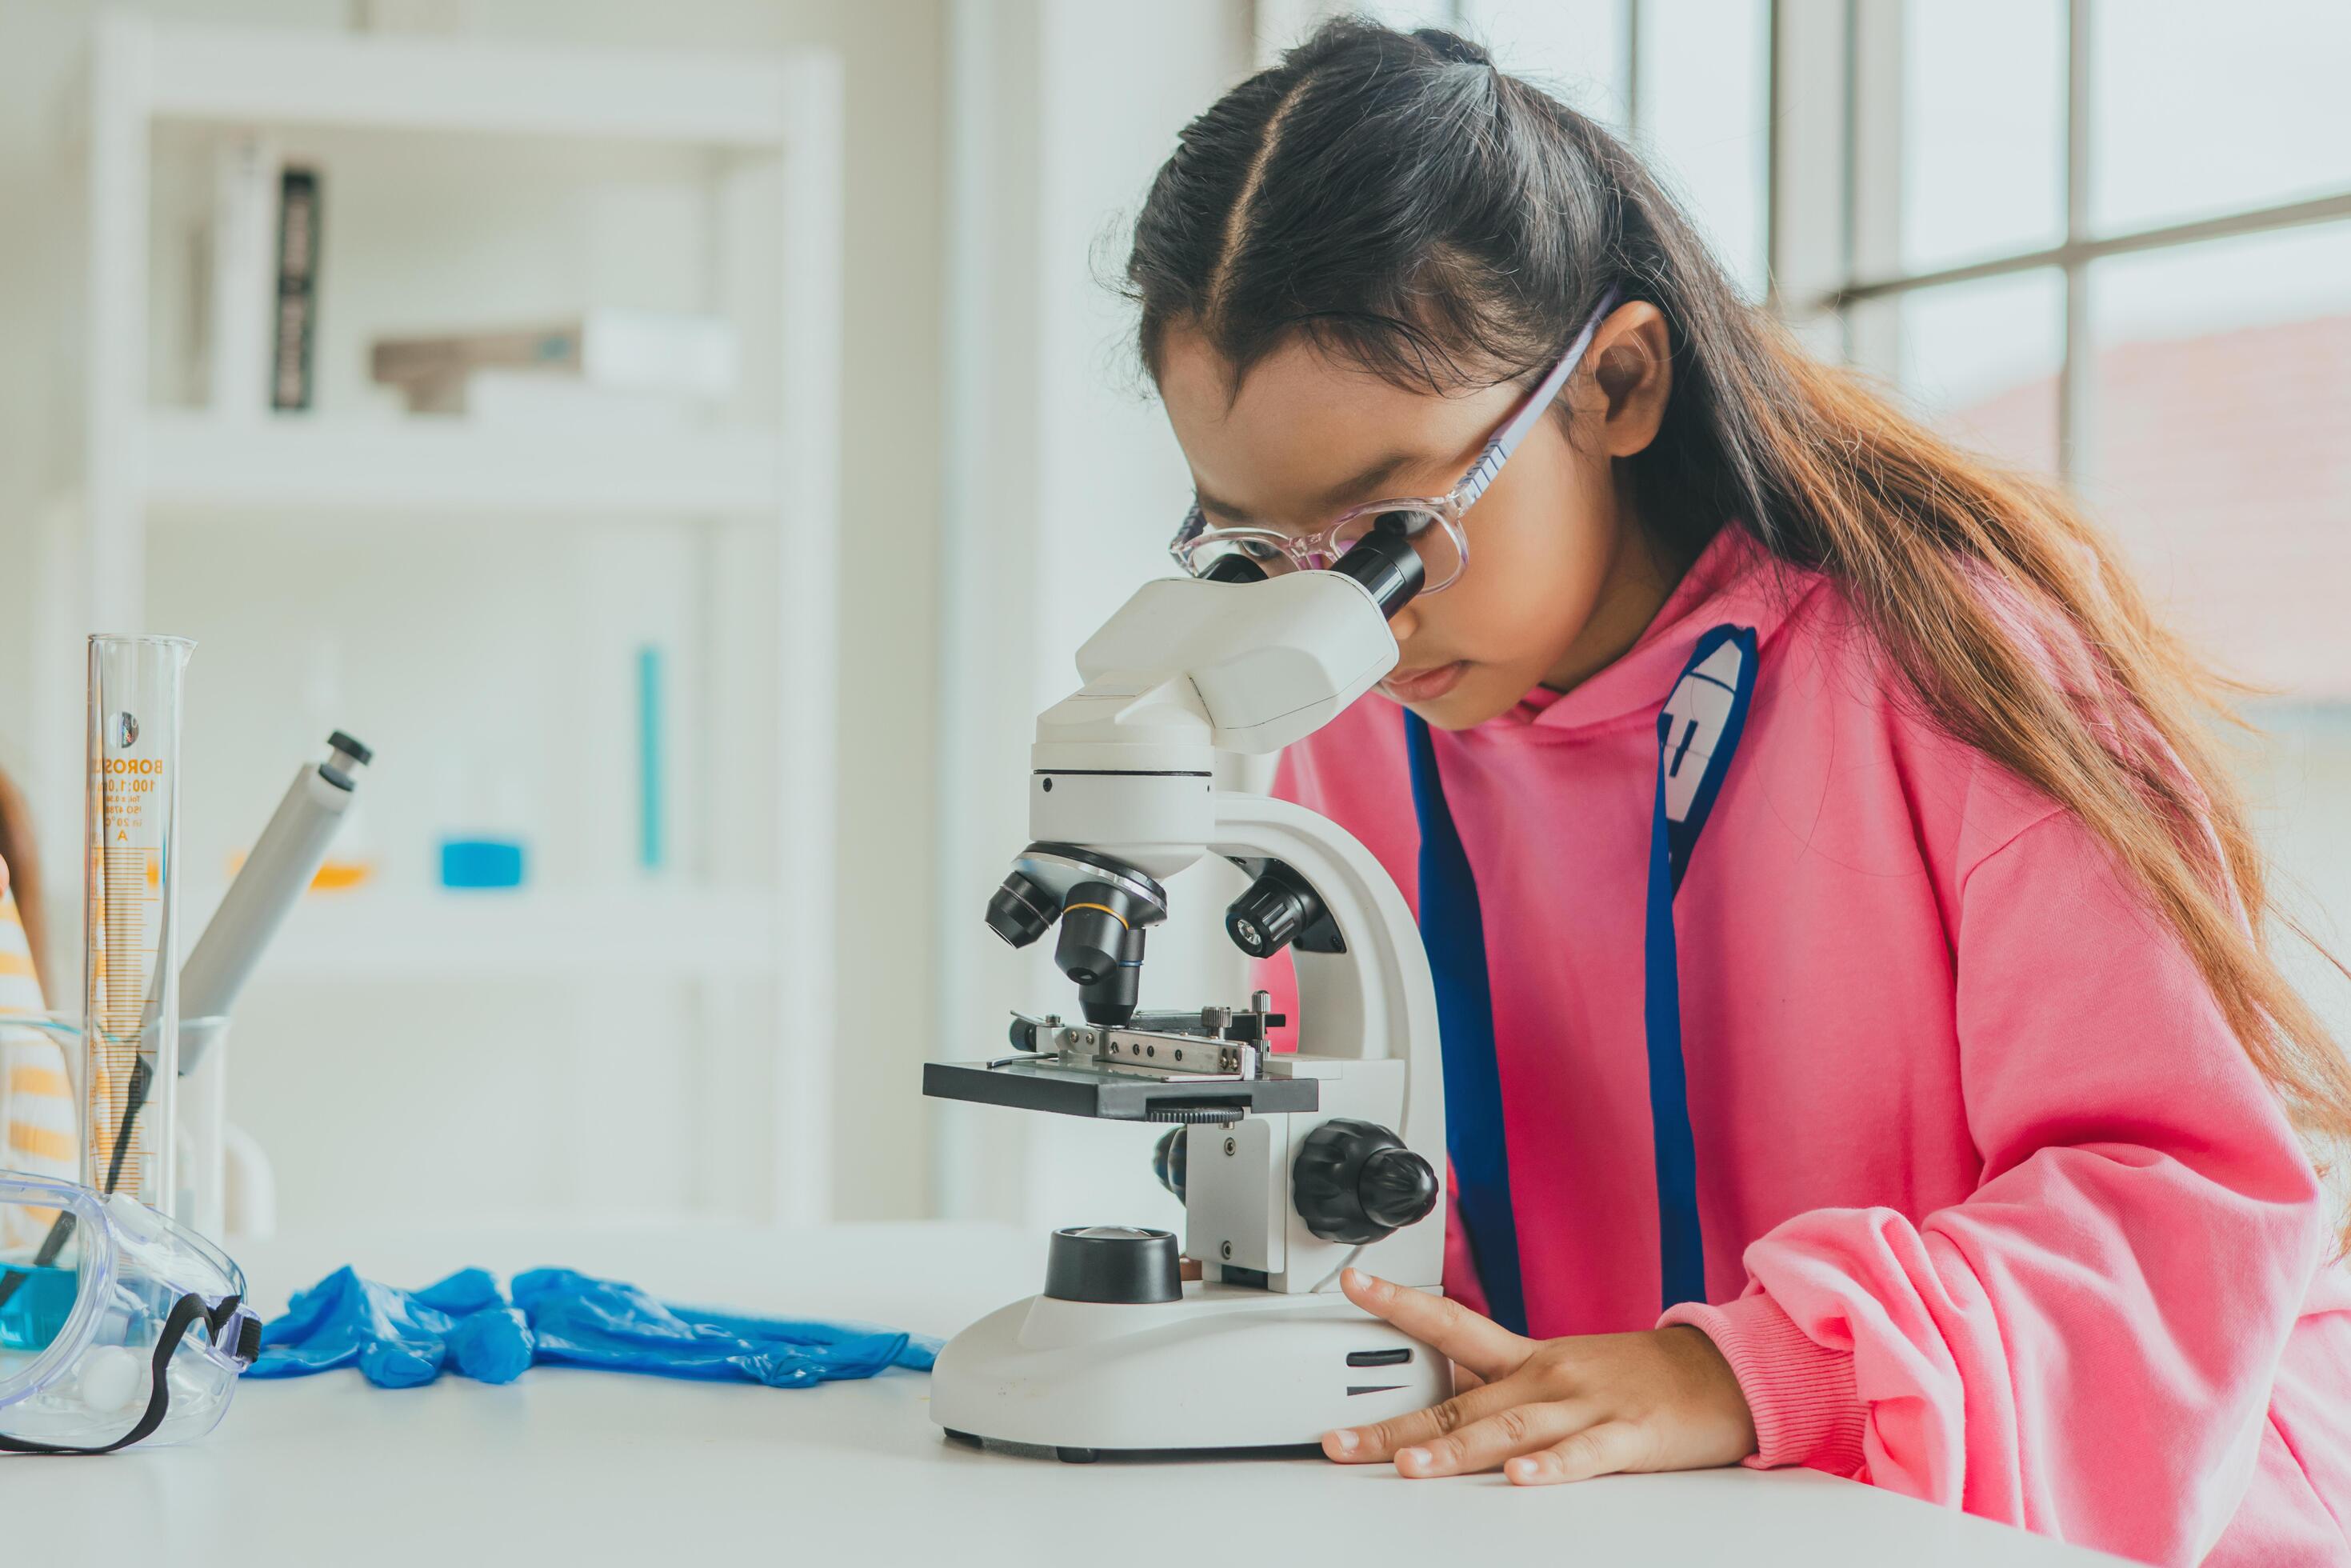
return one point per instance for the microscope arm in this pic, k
(1356, 1003)
(1373, 1002)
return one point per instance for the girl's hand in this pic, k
(1552, 1410)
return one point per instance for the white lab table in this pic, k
(567, 1466)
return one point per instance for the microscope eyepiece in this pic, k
(1386, 562)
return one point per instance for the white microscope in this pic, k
(1291, 1166)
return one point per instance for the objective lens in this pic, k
(1100, 948)
(1021, 911)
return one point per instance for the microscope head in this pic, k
(1234, 661)
(1103, 906)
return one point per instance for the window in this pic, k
(2111, 240)
(1686, 81)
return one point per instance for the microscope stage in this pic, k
(1116, 1094)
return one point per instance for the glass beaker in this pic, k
(131, 958)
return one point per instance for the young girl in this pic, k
(1947, 1105)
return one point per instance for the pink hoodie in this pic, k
(1996, 1211)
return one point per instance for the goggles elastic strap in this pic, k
(184, 1312)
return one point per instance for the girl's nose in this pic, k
(1404, 622)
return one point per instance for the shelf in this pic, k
(253, 77)
(198, 463)
(376, 933)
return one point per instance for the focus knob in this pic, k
(1356, 1182)
(1262, 920)
(1167, 1161)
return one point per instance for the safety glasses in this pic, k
(1432, 523)
(121, 1326)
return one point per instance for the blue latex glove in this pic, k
(399, 1339)
(602, 1322)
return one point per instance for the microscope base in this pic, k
(1225, 1367)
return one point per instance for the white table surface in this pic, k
(569, 1467)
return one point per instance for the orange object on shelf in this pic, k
(334, 875)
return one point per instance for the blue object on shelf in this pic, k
(651, 851)
(481, 862)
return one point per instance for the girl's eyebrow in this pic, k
(1356, 487)
(1359, 485)
(1210, 505)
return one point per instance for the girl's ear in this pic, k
(1633, 368)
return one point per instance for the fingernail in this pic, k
(1416, 1458)
(1353, 1279)
(1523, 1470)
(1347, 1439)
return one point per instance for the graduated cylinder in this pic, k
(131, 986)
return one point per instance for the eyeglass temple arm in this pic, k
(1506, 440)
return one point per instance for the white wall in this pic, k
(1064, 484)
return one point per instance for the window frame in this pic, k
(1832, 201)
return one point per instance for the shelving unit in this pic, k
(768, 129)
(199, 464)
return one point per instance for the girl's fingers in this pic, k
(1378, 1443)
(1483, 1443)
(1600, 1451)
(1464, 1380)
(1481, 1345)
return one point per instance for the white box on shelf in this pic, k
(502, 399)
(649, 352)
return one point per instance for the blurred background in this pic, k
(688, 442)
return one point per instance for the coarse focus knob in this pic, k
(1355, 1182)
(1167, 1161)
(1263, 919)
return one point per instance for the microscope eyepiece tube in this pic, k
(1386, 562)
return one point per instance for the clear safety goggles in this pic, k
(119, 1326)
(1432, 523)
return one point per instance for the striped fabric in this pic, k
(38, 1125)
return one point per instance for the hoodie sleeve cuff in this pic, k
(1800, 1394)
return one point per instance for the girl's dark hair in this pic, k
(1402, 204)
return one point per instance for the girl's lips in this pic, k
(1425, 685)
